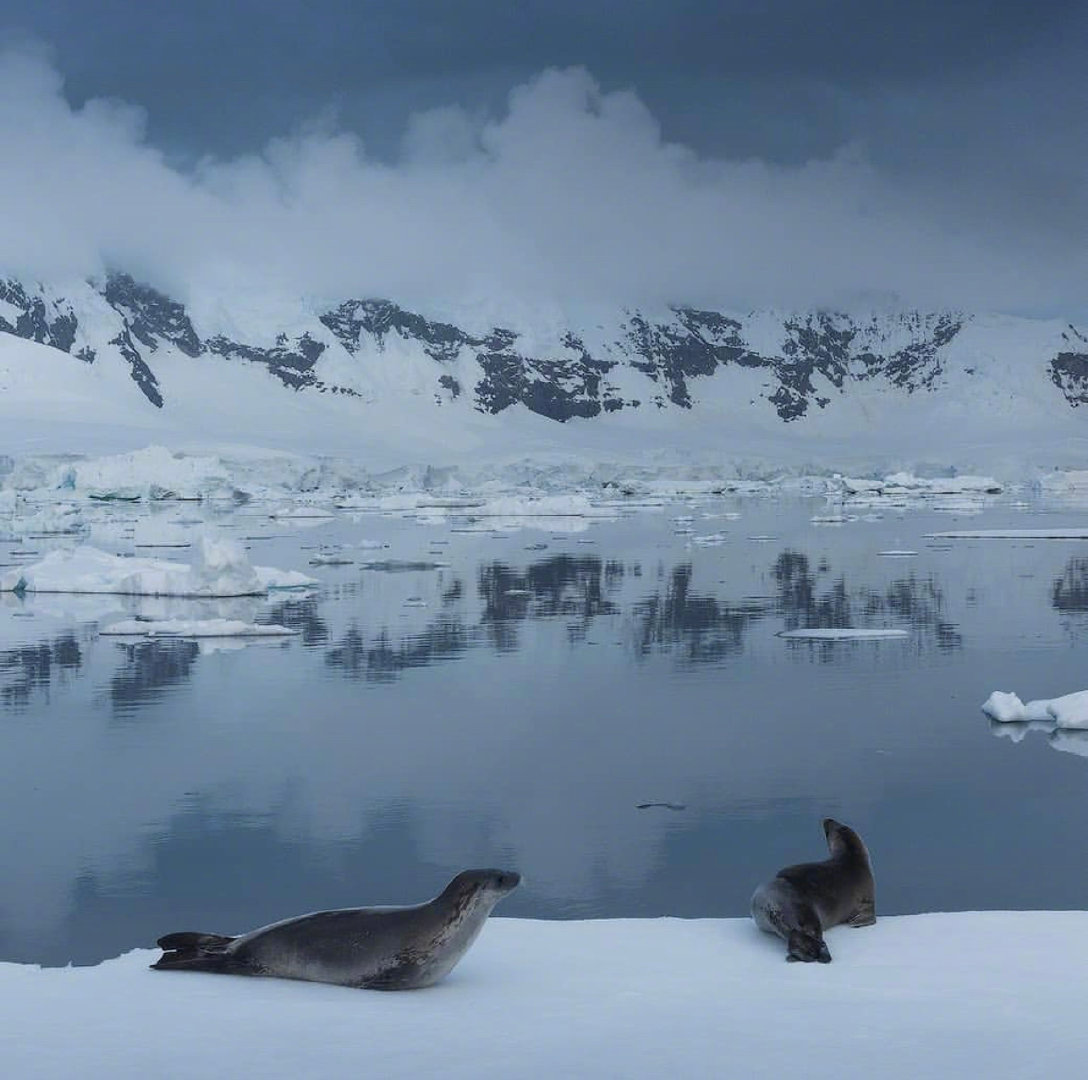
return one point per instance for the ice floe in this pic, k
(1068, 711)
(1011, 534)
(219, 568)
(842, 633)
(194, 628)
(918, 995)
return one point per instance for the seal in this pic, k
(379, 948)
(800, 902)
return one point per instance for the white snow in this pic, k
(843, 633)
(219, 568)
(193, 628)
(1068, 711)
(972, 994)
(153, 473)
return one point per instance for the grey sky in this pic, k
(775, 79)
(738, 151)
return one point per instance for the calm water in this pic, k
(516, 705)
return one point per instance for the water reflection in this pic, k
(381, 659)
(1070, 742)
(562, 585)
(703, 628)
(806, 602)
(148, 668)
(301, 615)
(1067, 740)
(1070, 591)
(33, 667)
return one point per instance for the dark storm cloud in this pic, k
(738, 152)
(776, 79)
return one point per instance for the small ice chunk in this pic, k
(843, 633)
(1070, 711)
(1004, 707)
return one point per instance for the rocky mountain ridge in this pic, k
(641, 361)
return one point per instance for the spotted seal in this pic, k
(800, 902)
(379, 948)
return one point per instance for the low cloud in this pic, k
(571, 195)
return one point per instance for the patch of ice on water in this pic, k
(194, 628)
(1068, 711)
(1011, 534)
(219, 568)
(831, 633)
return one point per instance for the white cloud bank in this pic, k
(571, 195)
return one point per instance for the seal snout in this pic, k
(507, 880)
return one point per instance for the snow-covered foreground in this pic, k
(987, 994)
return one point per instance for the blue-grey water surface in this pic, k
(514, 705)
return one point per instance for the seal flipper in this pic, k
(188, 939)
(806, 948)
(189, 951)
(864, 916)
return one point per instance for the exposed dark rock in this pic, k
(440, 341)
(34, 322)
(150, 316)
(1069, 370)
(292, 365)
(141, 373)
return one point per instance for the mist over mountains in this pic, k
(569, 194)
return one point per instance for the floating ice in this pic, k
(151, 473)
(194, 628)
(831, 633)
(1011, 534)
(1069, 711)
(219, 568)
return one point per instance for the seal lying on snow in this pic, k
(802, 901)
(380, 948)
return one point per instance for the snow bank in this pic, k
(219, 568)
(1069, 711)
(151, 473)
(945, 485)
(193, 628)
(989, 994)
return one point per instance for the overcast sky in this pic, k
(766, 151)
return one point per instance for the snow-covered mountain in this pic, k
(828, 374)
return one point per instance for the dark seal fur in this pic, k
(803, 901)
(379, 948)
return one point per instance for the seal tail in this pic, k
(189, 951)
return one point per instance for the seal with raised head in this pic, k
(379, 948)
(800, 902)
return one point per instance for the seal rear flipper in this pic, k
(188, 939)
(192, 960)
(191, 951)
